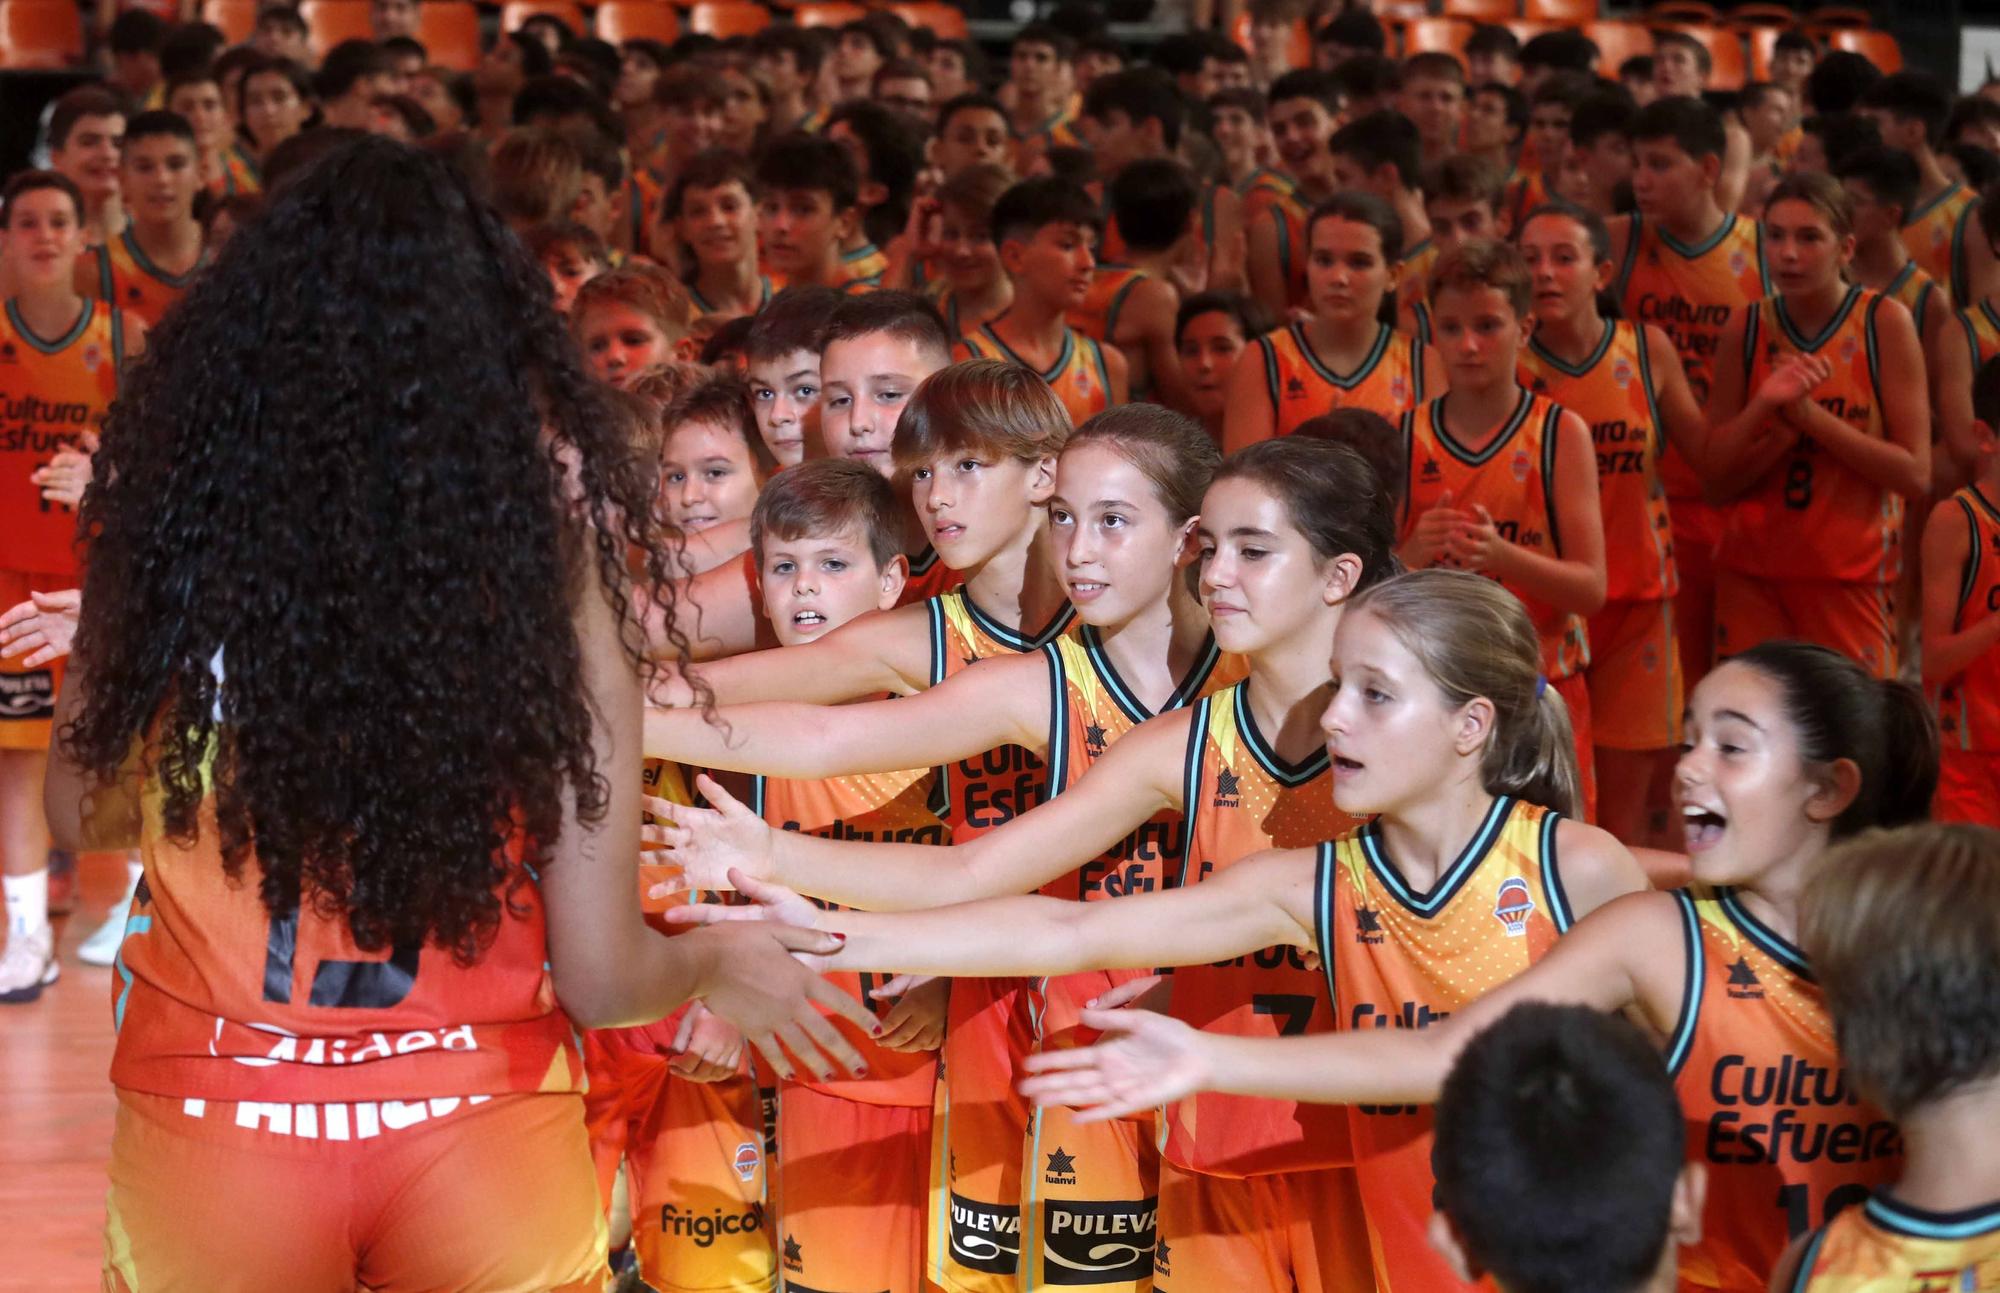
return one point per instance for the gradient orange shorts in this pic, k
(28, 696)
(1857, 620)
(1634, 676)
(849, 1192)
(1968, 787)
(484, 1195)
(1575, 691)
(1262, 1234)
(973, 1237)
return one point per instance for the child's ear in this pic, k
(1474, 725)
(1689, 1198)
(895, 573)
(1343, 579)
(1985, 438)
(1042, 479)
(1010, 254)
(1445, 1242)
(1189, 549)
(1839, 783)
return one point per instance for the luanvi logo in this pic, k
(985, 1236)
(1098, 1243)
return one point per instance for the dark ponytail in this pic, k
(1841, 711)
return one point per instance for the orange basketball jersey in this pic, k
(1935, 234)
(1288, 214)
(929, 576)
(1690, 292)
(1240, 797)
(1397, 958)
(1968, 706)
(215, 999)
(1918, 292)
(891, 807)
(1887, 1246)
(1390, 381)
(52, 390)
(703, 307)
(1768, 1106)
(1412, 285)
(1079, 375)
(1110, 287)
(1513, 478)
(129, 280)
(1612, 391)
(1261, 188)
(1810, 516)
(865, 263)
(1982, 332)
(239, 174)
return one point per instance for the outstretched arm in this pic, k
(888, 652)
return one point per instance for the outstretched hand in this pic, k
(41, 628)
(771, 904)
(1144, 1060)
(766, 982)
(707, 843)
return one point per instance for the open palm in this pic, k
(1144, 1060)
(707, 843)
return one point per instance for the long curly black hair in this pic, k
(358, 476)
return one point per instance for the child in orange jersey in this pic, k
(632, 319)
(1462, 201)
(1237, 125)
(1790, 748)
(1625, 381)
(1343, 354)
(67, 356)
(782, 362)
(708, 222)
(1687, 265)
(197, 98)
(887, 153)
(1433, 98)
(1515, 1203)
(951, 252)
(1512, 492)
(1044, 230)
(1303, 113)
(274, 101)
(149, 266)
(1041, 75)
(1131, 303)
(1815, 450)
(712, 465)
(1453, 774)
(1901, 930)
(1961, 559)
(571, 255)
(807, 190)
(86, 128)
(1260, 1193)
(357, 1031)
(1211, 331)
(1378, 154)
(1909, 109)
(1551, 109)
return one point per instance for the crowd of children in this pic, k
(1185, 631)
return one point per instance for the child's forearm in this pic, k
(1948, 655)
(1566, 585)
(999, 937)
(1372, 1066)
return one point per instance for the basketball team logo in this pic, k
(748, 1158)
(1738, 262)
(1512, 906)
(1849, 348)
(93, 355)
(1399, 389)
(1622, 373)
(1522, 464)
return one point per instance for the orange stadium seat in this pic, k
(1763, 43)
(1760, 14)
(827, 13)
(1616, 42)
(725, 18)
(1401, 11)
(1526, 29)
(946, 21)
(1447, 35)
(328, 22)
(1573, 12)
(621, 20)
(236, 19)
(1301, 44)
(1840, 15)
(1878, 47)
(40, 34)
(516, 12)
(449, 30)
(1678, 12)
(1481, 10)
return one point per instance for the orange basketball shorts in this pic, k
(1968, 787)
(28, 696)
(1857, 620)
(1287, 1231)
(1634, 676)
(849, 1191)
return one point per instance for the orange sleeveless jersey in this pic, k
(1887, 1246)
(239, 174)
(1058, 130)
(865, 264)
(1690, 292)
(1613, 392)
(1935, 234)
(1513, 477)
(1767, 1103)
(1412, 283)
(1110, 287)
(1918, 292)
(1522, 194)
(1810, 516)
(1288, 214)
(1968, 706)
(1240, 798)
(1261, 188)
(1390, 381)
(704, 308)
(929, 576)
(1078, 375)
(1982, 332)
(1395, 958)
(890, 807)
(214, 999)
(127, 279)
(51, 392)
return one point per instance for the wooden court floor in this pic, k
(56, 1109)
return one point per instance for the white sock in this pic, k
(27, 902)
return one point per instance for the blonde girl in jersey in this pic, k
(1625, 381)
(1342, 353)
(1817, 471)
(1288, 530)
(1789, 748)
(1440, 728)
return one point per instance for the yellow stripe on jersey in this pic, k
(1968, 706)
(1888, 1246)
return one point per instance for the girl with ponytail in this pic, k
(1789, 749)
(1439, 728)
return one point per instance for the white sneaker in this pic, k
(28, 966)
(101, 946)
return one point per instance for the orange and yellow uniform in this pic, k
(1768, 1106)
(1288, 214)
(1256, 1196)
(1690, 292)
(1090, 1193)
(1968, 706)
(704, 308)
(240, 174)
(347, 1112)
(1110, 287)
(929, 576)
(1982, 332)
(979, 1121)
(52, 391)
(1057, 130)
(1390, 381)
(120, 272)
(1078, 376)
(1413, 276)
(1918, 292)
(1888, 1246)
(1513, 477)
(1634, 676)
(865, 264)
(1261, 189)
(1397, 958)
(1522, 194)
(1814, 549)
(876, 1128)
(1935, 235)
